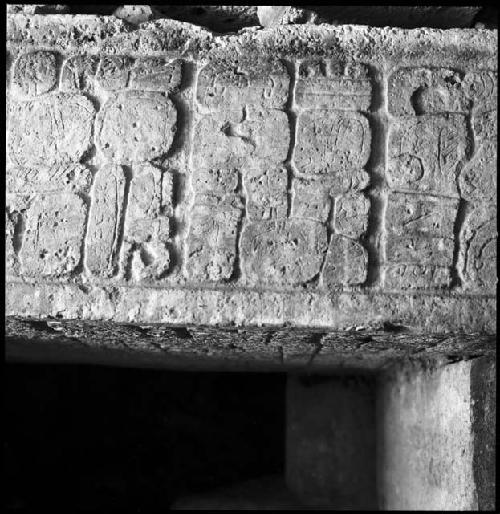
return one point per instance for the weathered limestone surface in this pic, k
(435, 442)
(317, 176)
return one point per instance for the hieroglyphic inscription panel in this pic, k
(438, 174)
(333, 145)
(250, 172)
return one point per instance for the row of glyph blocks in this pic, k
(279, 166)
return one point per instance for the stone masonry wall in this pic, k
(340, 177)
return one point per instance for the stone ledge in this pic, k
(234, 349)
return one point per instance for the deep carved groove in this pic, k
(291, 110)
(377, 188)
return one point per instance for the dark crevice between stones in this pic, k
(376, 192)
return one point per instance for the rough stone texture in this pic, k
(484, 407)
(435, 437)
(330, 442)
(315, 176)
(212, 348)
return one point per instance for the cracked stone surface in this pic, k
(303, 175)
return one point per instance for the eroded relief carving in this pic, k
(103, 233)
(54, 129)
(53, 236)
(420, 241)
(439, 144)
(277, 180)
(147, 223)
(135, 127)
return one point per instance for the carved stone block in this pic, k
(104, 226)
(156, 74)
(326, 84)
(479, 237)
(420, 236)
(478, 180)
(135, 127)
(425, 151)
(231, 84)
(212, 239)
(79, 73)
(53, 236)
(331, 141)
(41, 179)
(346, 262)
(35, 73)
(282, 253)
(266, 193)
(238, 139)
(54, 129)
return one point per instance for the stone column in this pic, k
(435, 442)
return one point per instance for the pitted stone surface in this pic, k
(236, 82)
(425, 152)
(53, 235)
(212, 240)
(41, 179)
(346, 262)
(35, 73)
(480, 238)
(79, 73)
(325, 84)
(241, 139)
(147, 224)
(102, 242)
(136, 127)
(309, 175)
(284, 253)
(331, 141)
(478, 181)
(266, 193)
(420, 240)
(54, 129)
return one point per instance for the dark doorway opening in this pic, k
(92, 437)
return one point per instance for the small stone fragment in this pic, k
(134, 14)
